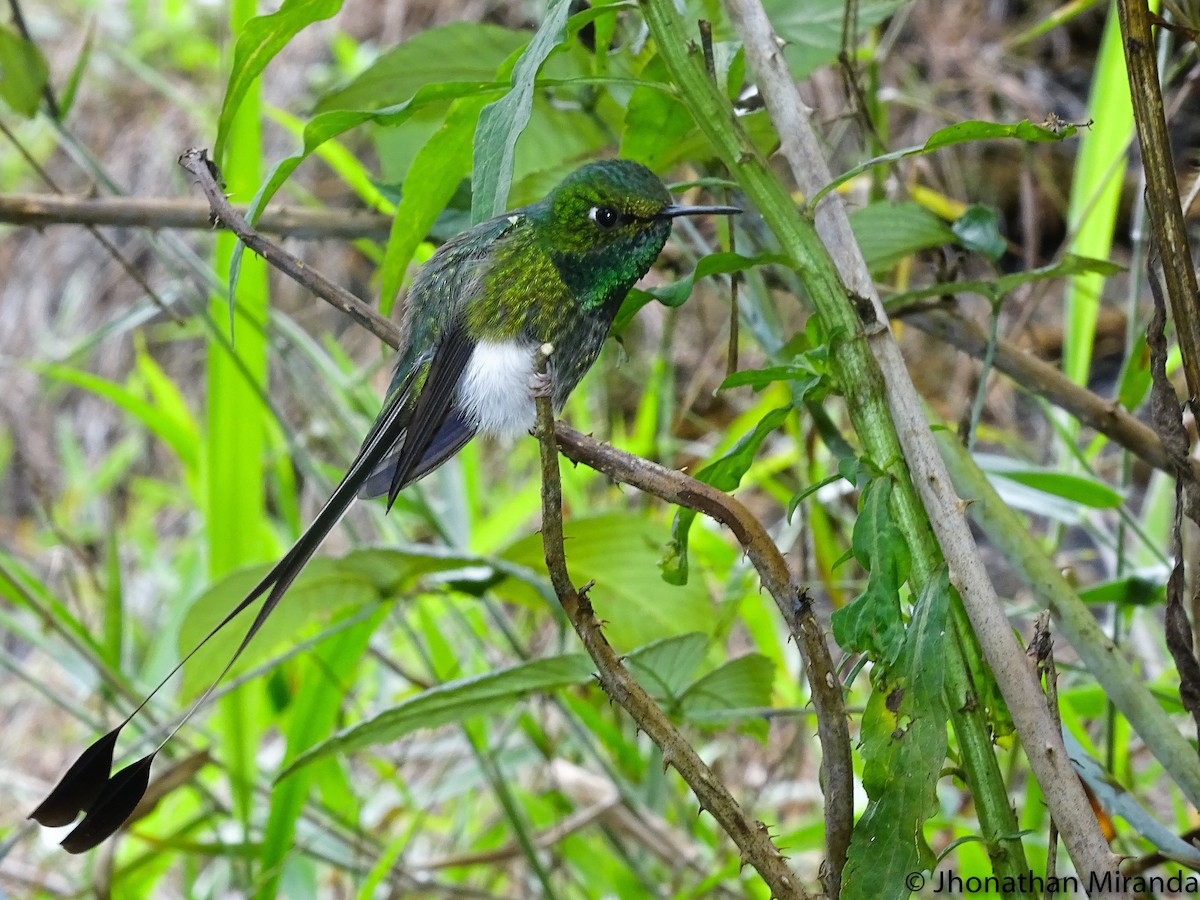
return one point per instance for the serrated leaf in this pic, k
(260, 40)
(871, 623)
(978, 229)
(725, 474)
(888, 232)
(903, 743)
(664, 667)
(501, 122)
(455, 701)
(23, 73)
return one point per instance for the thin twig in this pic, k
(42, 210)
(1043, 380)
(751, 837)
(197, 162)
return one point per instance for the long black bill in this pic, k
(672, 212)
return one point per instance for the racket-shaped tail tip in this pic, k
(112, 808)
(79, 788)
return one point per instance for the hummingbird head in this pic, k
(605, 224)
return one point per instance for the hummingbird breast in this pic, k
(495, 393)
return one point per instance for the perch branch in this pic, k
(751, 837)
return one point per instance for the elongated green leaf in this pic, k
(675, 293)
(1005, 284)
(1080, 489)
(458, 52)
(455, 701)
(260, 39)
(23, 73)
(501, 122)
(871, 623)
(180, 433)
(434, 176)
(311, 720)
(724, 473)
(904, 748)
(959, 133)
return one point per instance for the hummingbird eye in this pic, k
(605, 217)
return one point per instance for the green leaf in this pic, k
(963, 132)
(457, 52)
(871, 623)
(978, 229)
(1006, 284)
(953, 134)
(455, 701)
(258, 43)
(812, 30)
(1081, 489)
(23, 73)
(675, 293)
(322, 590)
(742, 683)
(663, 667)
(725, 474)
(656, 123)
(1132, 590)
(903, 742)
(888, 232)
(620, 552)
(501, 122)
(432, 179)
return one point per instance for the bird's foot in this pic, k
(541, 384)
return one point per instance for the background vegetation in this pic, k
(455, 742)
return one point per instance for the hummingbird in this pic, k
(554, 272)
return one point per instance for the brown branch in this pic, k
(1043, 380)
(1162, 189)
(791, 599)
(751, 837)
(42, 210)
(198, 164)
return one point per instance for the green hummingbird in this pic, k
(553, 272)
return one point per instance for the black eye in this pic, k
(605, 217)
